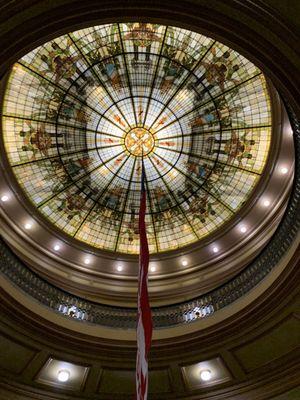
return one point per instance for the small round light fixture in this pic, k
(153, 268)
(215, 249)
(63, 375)
(243, 229)
(184, 263)
(284, 170)
(205, 375)
(87, 261)
(56, 247)
(28, 225)
(119, 268)
(266, 203)
(4, 198)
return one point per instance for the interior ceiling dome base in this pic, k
(81, 111)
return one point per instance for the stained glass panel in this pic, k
(81, 112)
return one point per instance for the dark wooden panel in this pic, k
(13, 356)
(274, 344)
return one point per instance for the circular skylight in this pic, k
(83, 111)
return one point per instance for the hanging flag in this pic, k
(144, 318)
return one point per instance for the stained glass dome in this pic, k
(83, 111)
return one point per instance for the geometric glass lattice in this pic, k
(81, 111)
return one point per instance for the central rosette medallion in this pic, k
(139, 142)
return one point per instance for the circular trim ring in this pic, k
(165, 317)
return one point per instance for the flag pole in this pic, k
(144, 317)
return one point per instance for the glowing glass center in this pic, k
(139, 142)
(63, 375)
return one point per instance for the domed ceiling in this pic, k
(81, 112)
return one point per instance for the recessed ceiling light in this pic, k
(63, 375)
(266, 203)
(56, 247)
(4, 198)
(215, 249)
(28, 225)
(205, 375)
(284, 170)
(184, 263)
(120, 268)
(87, 261)
(243, 229)
(153, 269)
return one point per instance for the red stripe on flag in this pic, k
(144, 322)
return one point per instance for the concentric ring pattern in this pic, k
(81, 112)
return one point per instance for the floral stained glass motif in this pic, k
(81, 111)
